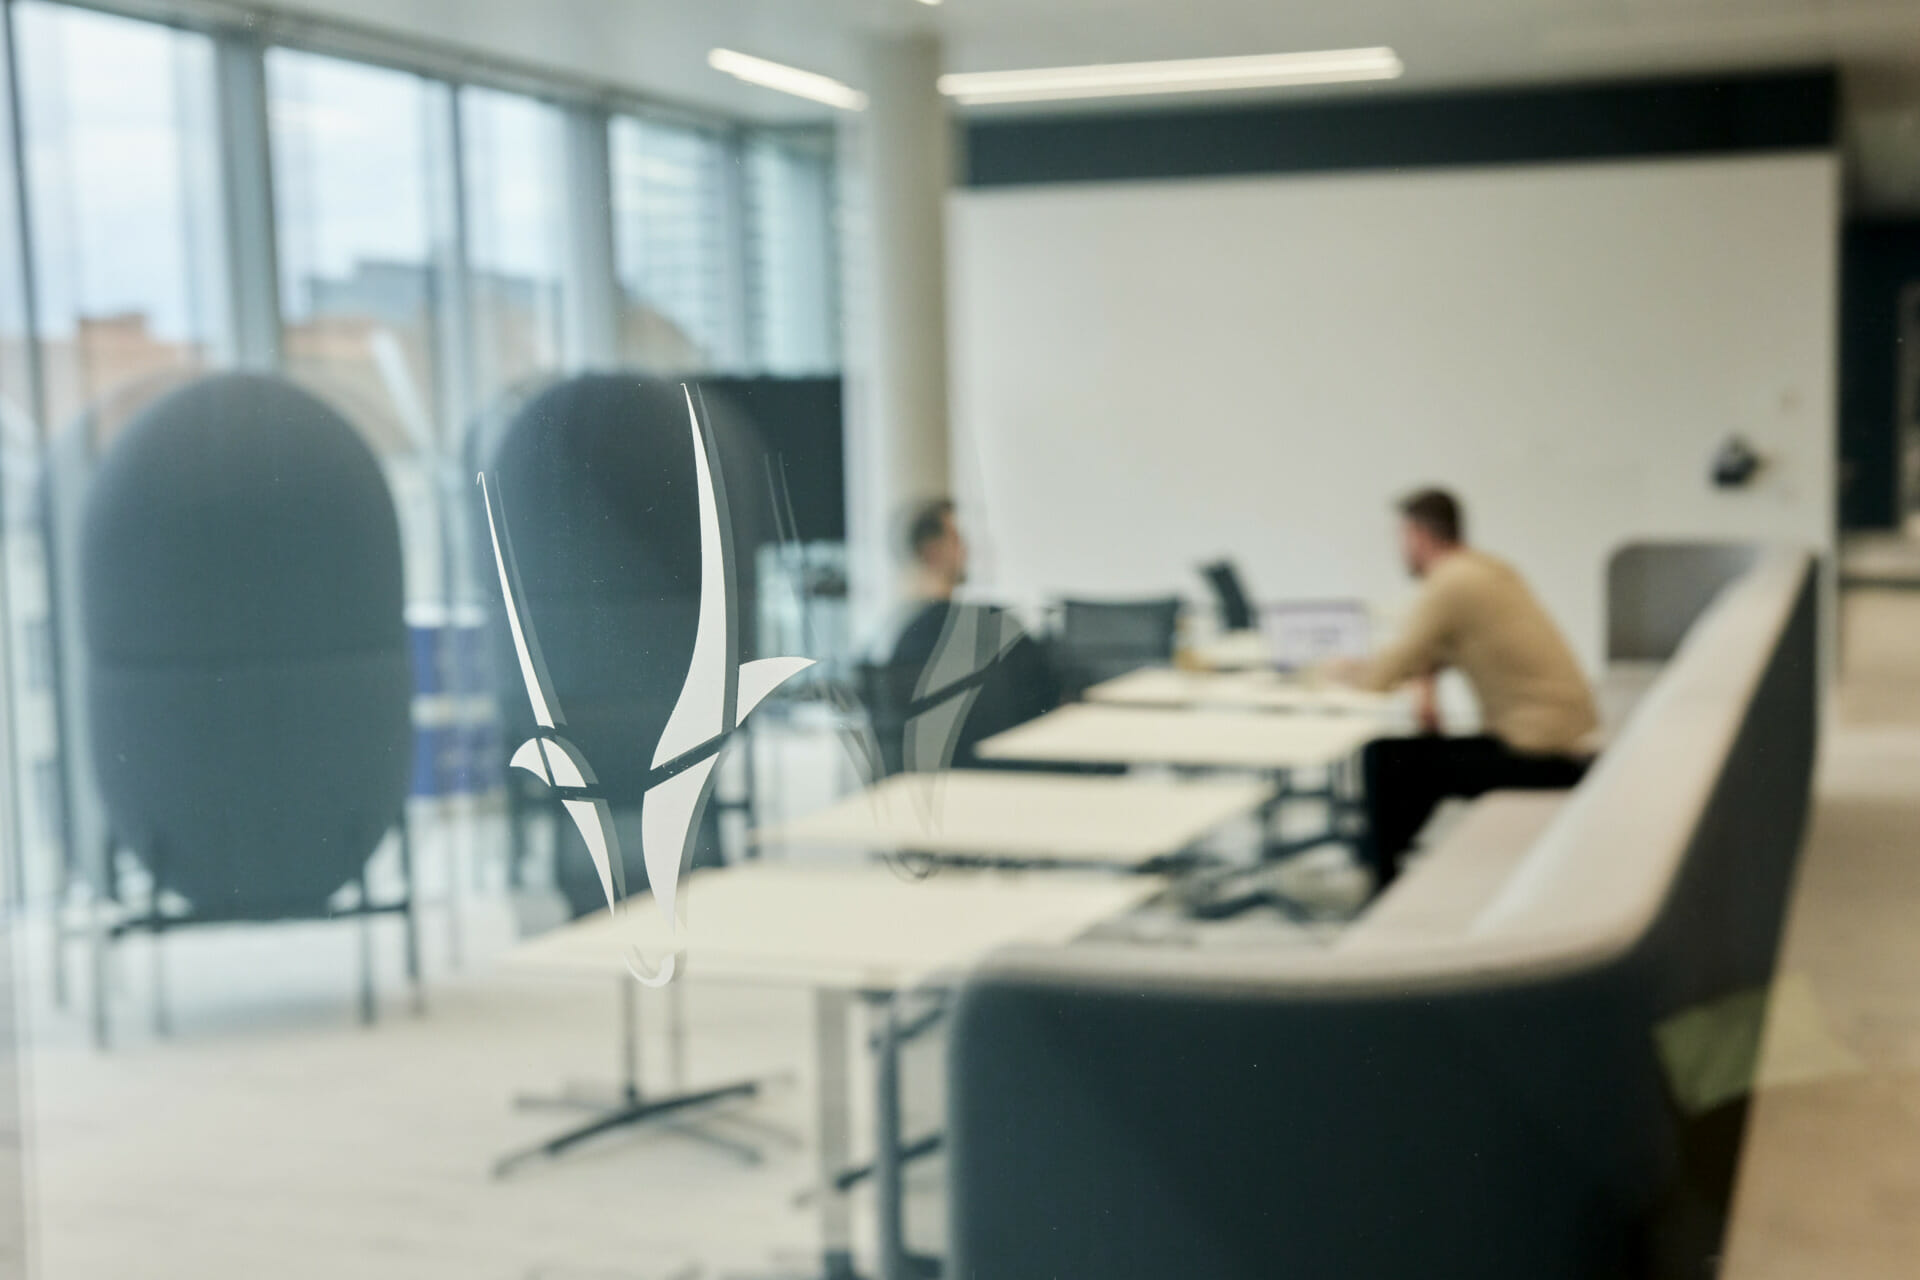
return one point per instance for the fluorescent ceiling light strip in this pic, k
(777, 75)
(1179, 76)
(1064, 92)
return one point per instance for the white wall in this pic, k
(1151, 374)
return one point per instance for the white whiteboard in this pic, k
(1148, 375)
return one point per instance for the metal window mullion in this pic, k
(246, 191)
(450, 322)
(592, 307)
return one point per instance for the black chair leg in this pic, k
(98, 943)
(59, 961)
(516, 833)
(59, 929)
(162, 1022)
(367, 1010)
(162, 1019)
(409, 919)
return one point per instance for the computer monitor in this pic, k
(1236, 611)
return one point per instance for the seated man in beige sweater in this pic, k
(1474, 614)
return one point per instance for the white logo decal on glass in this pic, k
(717, 694)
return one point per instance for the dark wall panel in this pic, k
(1878, 260)
(1691, 116)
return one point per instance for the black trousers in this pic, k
(1407, 778)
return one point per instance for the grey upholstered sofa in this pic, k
(1479, 1100)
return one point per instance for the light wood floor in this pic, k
(1830, 1183)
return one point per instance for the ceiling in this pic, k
(660, 46)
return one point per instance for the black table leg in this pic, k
(630, 1104)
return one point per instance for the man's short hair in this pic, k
(1436, 511)
(929, 524)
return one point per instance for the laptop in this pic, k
(1301, 634)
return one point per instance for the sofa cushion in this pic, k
(1442, 892)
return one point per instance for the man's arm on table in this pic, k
(1416, 654)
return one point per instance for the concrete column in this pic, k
(896, 255)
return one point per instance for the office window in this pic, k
(17, 431)
(122, 170)
(360, 251)
(793, 296)
(126, 236)
(516, 202)
(19, 469)
(674, 246)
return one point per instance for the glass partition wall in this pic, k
(422, 234)
(422, 252)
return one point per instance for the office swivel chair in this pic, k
(72, 456)
(957, 675)
(1236, 611)
(592, 480)
(875, 686)
(247, 680)
(1099, 639)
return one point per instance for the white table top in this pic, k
(1038, 817)
(1095, 734)
(859, 927)
(1234, 651)
(1238, 690)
